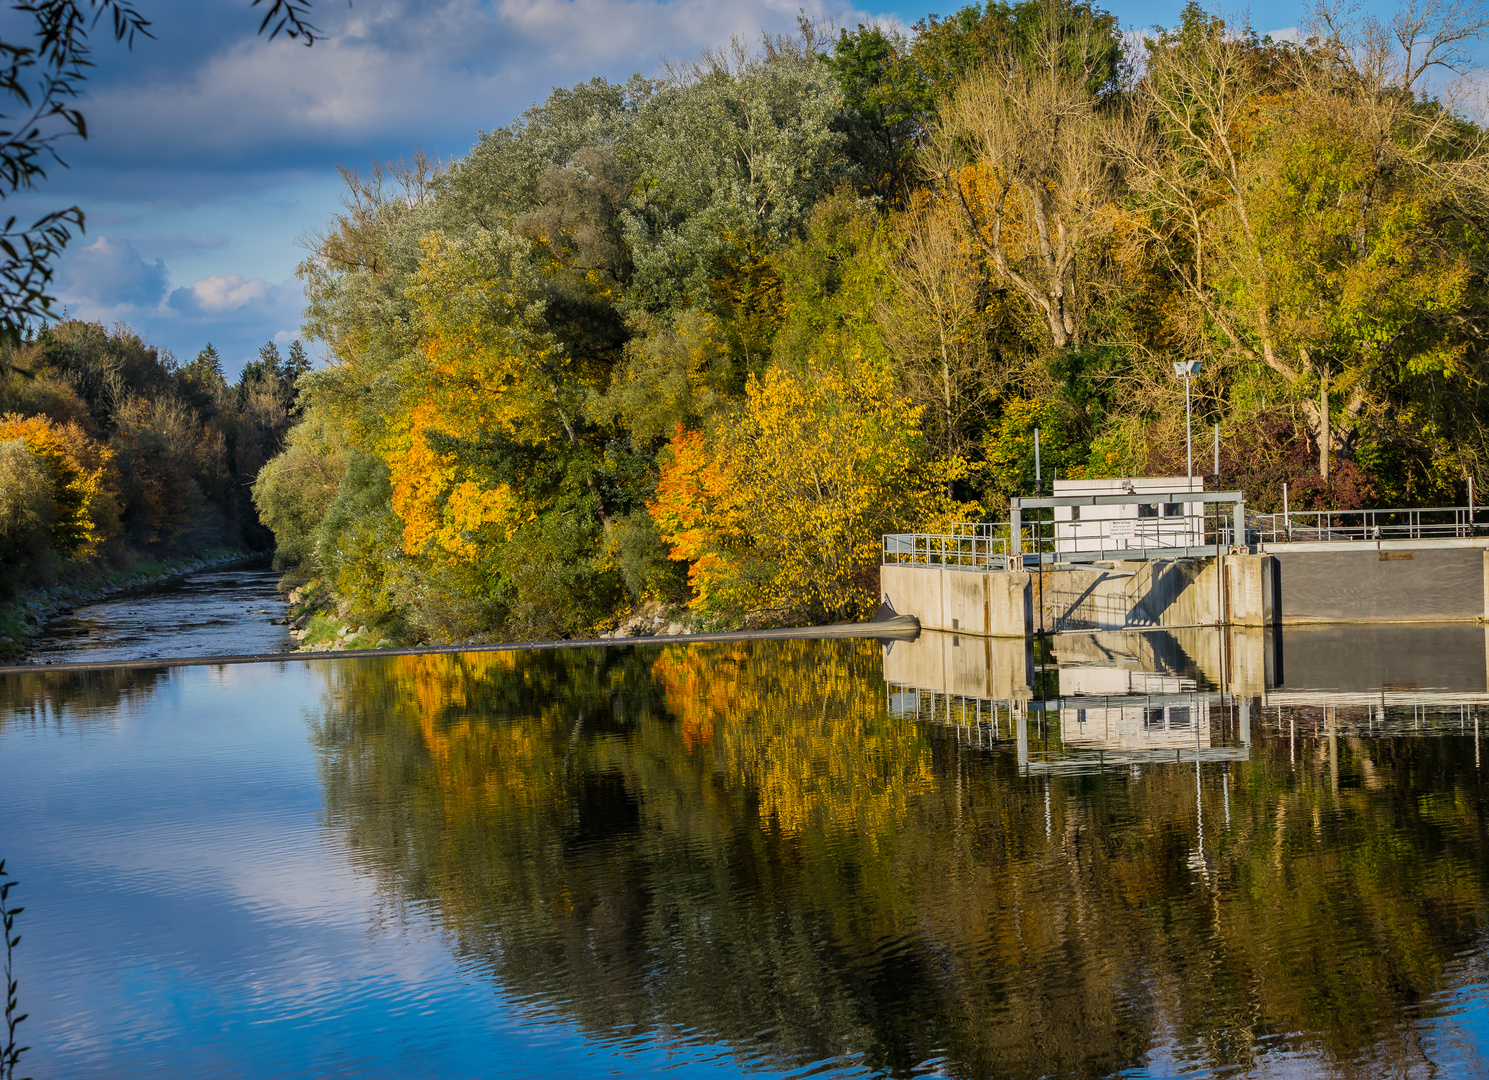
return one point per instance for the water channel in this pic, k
(1123, 854)
(221, 612)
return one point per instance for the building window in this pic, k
(1153, 719)
(1147, 509)
(1178, 716)
(1173, 509)
(1075, 513)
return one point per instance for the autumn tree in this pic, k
(936, 322)
(815, 468)
(1022, 152)
(1297, 196)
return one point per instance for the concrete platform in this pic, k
(1391, 581)
(1236, 589)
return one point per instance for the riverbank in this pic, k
(320, 621)
(25, 617)
(889, 630)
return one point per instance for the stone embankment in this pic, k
(28, 614)
(319, 621)
(319, 624)
(651, 620)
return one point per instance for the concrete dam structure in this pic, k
(1163, 558)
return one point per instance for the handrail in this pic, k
(1029, 538)
(976, 550)
(1322, 526)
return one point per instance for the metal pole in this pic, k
(1217, 457)
(1036, 461)
(1188, 435)
(1470, 506)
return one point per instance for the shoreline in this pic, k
(902, 628)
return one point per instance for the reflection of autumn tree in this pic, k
(44, 697)
(548, 804)
(708, 843)
(794, 725)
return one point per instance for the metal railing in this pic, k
(1305, 526)
(970, 544)
(1165, 534)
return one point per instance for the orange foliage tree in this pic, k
(486, 369)
(784, 515)
(83, 507)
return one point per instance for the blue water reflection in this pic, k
(188, 913)
(753, 859)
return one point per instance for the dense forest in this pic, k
(698, 340)
(111, 450)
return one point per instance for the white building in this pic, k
(1157, 524)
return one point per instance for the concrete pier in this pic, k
(1237, 589)
(1433, 580)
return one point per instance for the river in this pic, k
(221, 612)
(1124, 854)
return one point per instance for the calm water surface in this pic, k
(1126, 855)
(225, 612)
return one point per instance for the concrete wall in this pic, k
(1428, 581)
(963, 601)
(1191, 592)
(1403, 581)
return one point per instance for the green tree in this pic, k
(1308, 204)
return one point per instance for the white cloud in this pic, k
(109, 274)
(220, 294)
(215, 149)
(401, 72)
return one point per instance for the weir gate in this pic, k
(1157, 554)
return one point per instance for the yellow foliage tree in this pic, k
(786, 518)
(487, 369)
(83, 505)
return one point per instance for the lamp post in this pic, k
(1187, 368)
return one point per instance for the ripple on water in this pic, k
(561, 864)
(226, 612)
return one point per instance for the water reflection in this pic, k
(86, 696)
(927, 858)
(1092, 701)
(1109, 853)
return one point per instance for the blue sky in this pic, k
(212, 152)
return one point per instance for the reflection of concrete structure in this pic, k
(1116, 708)
(1192, 692)
(1113, 699)
(1139, 722)
(990, 669)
